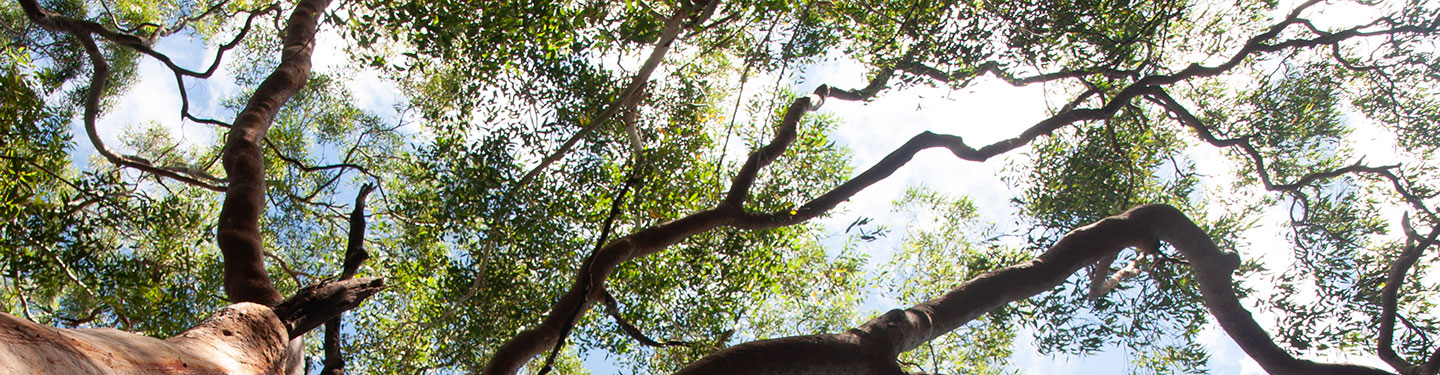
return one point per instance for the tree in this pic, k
(530, 181)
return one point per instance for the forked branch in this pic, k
(84, 31)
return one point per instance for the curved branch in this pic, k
(238, 230)
(590, 279)
(762, 157)
(180, 73)
(529, 343)
(872, 347)
(1185, 117)
(1398, 269)
(219, 53)
(54, 21)
(100, 74)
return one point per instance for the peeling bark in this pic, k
(244, 338)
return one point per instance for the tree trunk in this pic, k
(244, 338)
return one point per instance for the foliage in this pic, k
(473, 252)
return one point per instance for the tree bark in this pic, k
(238, 231)
(244, 338)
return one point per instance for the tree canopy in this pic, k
(503, 187)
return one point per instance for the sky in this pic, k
(982, 114)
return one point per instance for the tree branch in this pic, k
(1101, 284)
(1389, 296)
(612, 308)
(593, 272)
(605, 229)
(590, 279)
(219, 55)
(316, 304)
(762, 157)
(238, 231)
(527, 344)
(354, 255)
(355, 245)
(99, 76)
(631, 92)
(1185, 117)
(872, 347)
(297, 163)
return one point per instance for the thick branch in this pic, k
(872, 347)
(315, 304)
(243, 338)
(1398, 269)
(923, 141)
(784, 135)
(605, 229)
(592, 274)
(238, 231)
(590, 279)
(355, 244)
